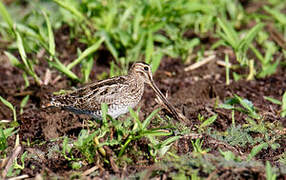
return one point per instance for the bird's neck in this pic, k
(135, 80)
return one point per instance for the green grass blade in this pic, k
(28, 66)
(149, 47)
(13, 60)
(257, 54)
(209, 121)
(22, 51)
(154, 133)
(269, 69)
(6, 16)
(23, 103)
(244, 44)
(69, 7)
(275, 101)
(135, 116)
(256, 149)
(62, 68)
(7, 103)
(10, 106)
(230, 34)
(270, 175)
(146, 122)
(86, 68)
(104, 109)
(124, 18)
(124, 146)
(50, 35)
(156, 60)
(109, 45)
(9, 132)
(136, 24)
(280, 17)
(283, 112)
(227, 67)
(85, 53)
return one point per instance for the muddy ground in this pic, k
(193, 93)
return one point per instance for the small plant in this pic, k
(270, 174)
(4, 134)
(228, 155)
(198, 147)
(268, 67)
(16, 168)
(140, 130)
(236, 135)
(206, 122)
(244, 106)
(256, 149)
(239, 45)
(282, 103)
(9, 105)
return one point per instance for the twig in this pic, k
(222, 63)
(19, 177)
(192, 136)
(5, 121)
(89, 171)
(48, 76)
(16, 152)
(200, 63)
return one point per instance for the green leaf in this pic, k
(104, 109)
(69, 7)
(230, 35)
(228, 155)
(136, 24)
(149, 47)
(256, 149)
(275, 101)
(86, 68)
(270, 175)
(9, 132)
(13, 60)
(9, 105)
(109, 45)
(62, 68)
(209, 121)
(50, 35)
(156, 60)
(23, 103)
(146, 122)
(165, 145)
(280, 17)
(6, 16)
(85, 53)
(248, 106)
(268, 69)
(136, 118)
(22, 51)
(283, 110)
(246, 41)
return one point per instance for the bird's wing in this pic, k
(90, 97)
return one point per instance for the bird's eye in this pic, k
(146, 68)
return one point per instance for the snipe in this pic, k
(119, 93)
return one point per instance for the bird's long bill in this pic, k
(163, 98)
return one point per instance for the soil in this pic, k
(193, 93)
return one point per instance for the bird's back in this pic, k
(118, 93)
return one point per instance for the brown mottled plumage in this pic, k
(119, 93)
